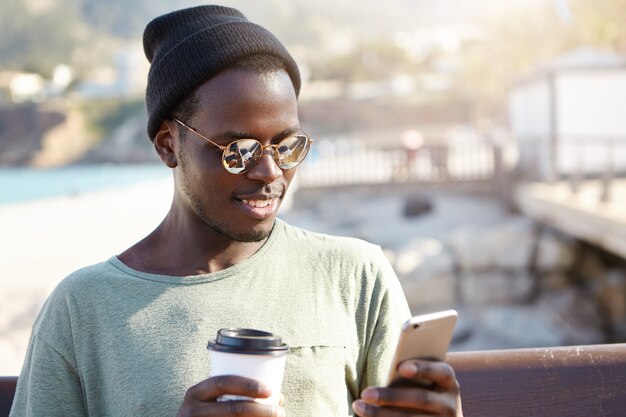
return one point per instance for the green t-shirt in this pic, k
(113, 341)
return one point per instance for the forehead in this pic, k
(243, 97)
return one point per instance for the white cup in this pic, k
(254, 354)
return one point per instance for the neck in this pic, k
(181, 246)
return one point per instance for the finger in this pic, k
(238, 408)
(441, 373)
(364, 409)
(212, 388)
(418, 399)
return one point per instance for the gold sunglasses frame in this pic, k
(273, 147)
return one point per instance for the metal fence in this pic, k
(349, 163)
(574, 159)
(542, 159)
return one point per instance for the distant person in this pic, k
(412, 141)
(127, 337)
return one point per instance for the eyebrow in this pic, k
(235, 135)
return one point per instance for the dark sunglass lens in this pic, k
(241, 155)
(292, 150)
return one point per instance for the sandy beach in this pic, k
(44, 241)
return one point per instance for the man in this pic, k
(127, 337)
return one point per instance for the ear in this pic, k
(165, 143)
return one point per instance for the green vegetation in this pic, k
(36, 35)
(369, 61)
(36, 40)
(103, 116)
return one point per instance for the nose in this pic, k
(266, 169)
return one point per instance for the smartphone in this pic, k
(426, 336)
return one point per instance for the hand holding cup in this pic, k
(247, 368)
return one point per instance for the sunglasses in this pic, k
(242, 155)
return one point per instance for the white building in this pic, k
(569, 115)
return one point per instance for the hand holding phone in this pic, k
(425, 336)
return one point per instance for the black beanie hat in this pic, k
(187, 47)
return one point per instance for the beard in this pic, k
(252, 235)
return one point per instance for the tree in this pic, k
(600, 22)
(37, 39)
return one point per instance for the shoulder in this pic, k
(351, 261)
(329, 245)
(84, 279)
(78, 288)
(358, 270)
(57, 317)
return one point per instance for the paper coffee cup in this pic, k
(251, 353)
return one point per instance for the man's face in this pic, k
(236, 104)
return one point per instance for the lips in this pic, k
(259, 207)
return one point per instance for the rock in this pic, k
(424, 256)
(464, 326)
(590, 267)
(470, 250)
(426, 271)
(22, 129)
(553, 254)
(551, 281)
(126, 143)
(507, 327)
(505, 246)
(574, 314)
(495, 287)
(556, 319)
(417, 206)
(430, 293)
(512, 243)
(610, 293)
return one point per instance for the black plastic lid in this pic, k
(248, 341)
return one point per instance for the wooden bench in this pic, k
(7, 391)
(577, 381)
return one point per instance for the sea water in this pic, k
(28, 184)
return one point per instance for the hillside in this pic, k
(36, 35)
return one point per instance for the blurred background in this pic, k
(481, 143)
